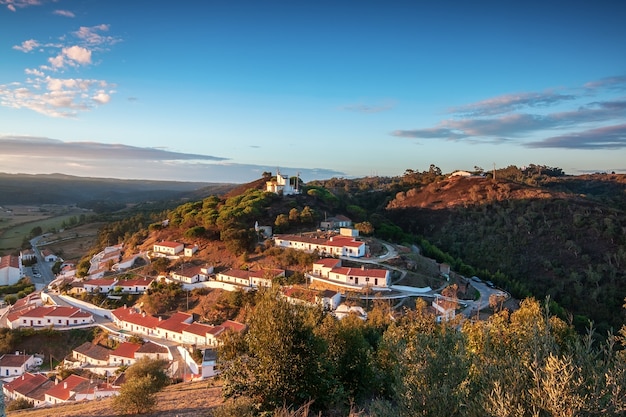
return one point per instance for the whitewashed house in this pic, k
(13, 365)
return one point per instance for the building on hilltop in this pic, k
(282, 185)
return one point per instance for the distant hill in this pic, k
(564, 237)
(67, 189)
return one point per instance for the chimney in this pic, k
(65, 385)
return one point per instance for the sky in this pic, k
(222, 91)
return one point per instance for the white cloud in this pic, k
(34, 71)
(54, 96)
(78, 54)
(57, 61)
(92, 36)
(13, 5)
(101, 97)
(62, 97)
(27, 46)
(65, 13)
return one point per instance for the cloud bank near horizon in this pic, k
(92, 159)
(584, 123)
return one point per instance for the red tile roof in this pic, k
(93, 351)
(130, 315)
(150, 347)
(328, 262)
(176, 323)
(63, 390)
(9, 261)
(26, 383)
(198, 329)
(126, 350)
(169, 244)
(14, 360)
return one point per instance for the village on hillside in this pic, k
(346, 269)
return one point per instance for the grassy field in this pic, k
(16, 222)
(195, 399)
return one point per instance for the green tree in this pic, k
(155, 368)
(137, 396)
(283, 361)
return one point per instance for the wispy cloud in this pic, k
(507, 118)
(122, 161)
(38, 147)
(13, 5)
(608, 137)
(48, 93)
(510, 102)
(616, 83)
(27, 46)
(65, 13)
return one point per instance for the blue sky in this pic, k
(220, 91)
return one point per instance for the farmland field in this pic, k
(16, 222)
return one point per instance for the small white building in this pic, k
(46, 316)
(12, 365)
(282, 185)
(100, 285)
(168, 248)
(10, 270)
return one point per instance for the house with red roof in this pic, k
(332, 271)
(124, 354)
(13, 365)
(334, 246)
(190, 274)
(100, 285)
(49, 316)
(134, 286)
(25, 386)
(179, 328)
(152, 351)
(91, 354)
(10, 270)
(250, 279)
(49, 256)
(196, 334)
(129, 319)
(168, 248)
(66, 390)
(172, 328)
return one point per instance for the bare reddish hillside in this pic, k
(459, 191)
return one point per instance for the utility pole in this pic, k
(494, 171)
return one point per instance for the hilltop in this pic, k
(563, 237)
(540, 233)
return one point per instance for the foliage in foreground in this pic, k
(144, 379)
(525, 363)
